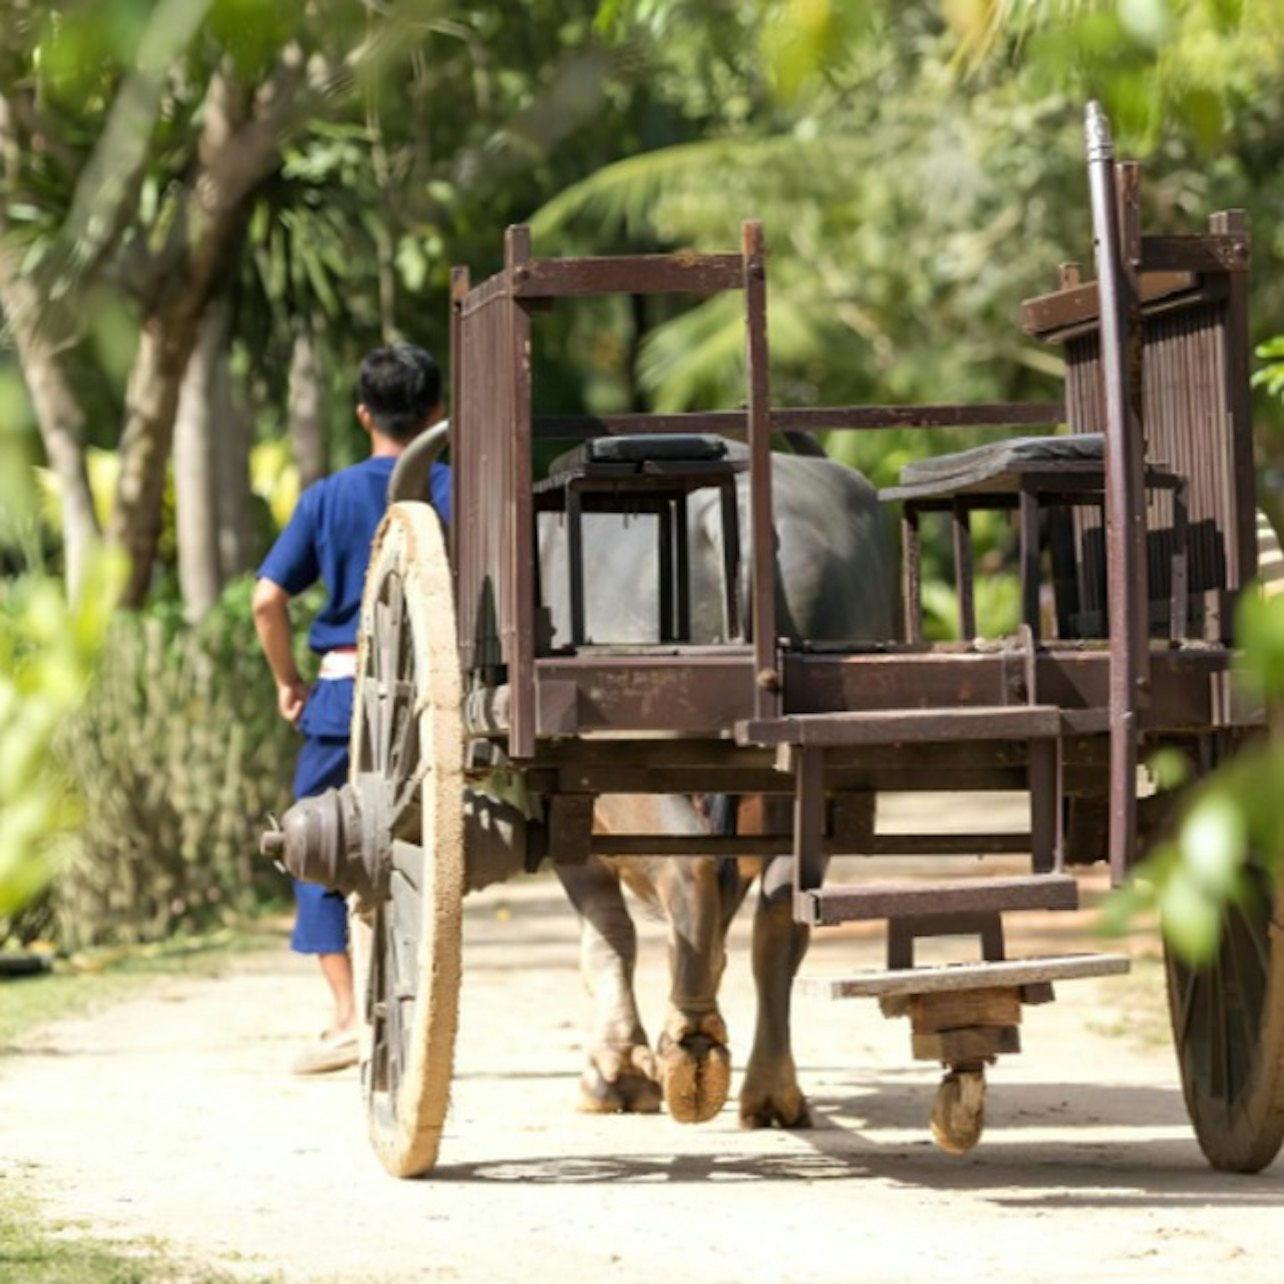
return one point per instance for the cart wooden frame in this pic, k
(460, 684)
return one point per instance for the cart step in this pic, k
(905, 726)
(825, 906)
(963, 976)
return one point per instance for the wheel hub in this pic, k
(341, 839)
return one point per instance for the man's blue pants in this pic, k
(321, 923)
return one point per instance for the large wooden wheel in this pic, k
(407, 733)
(1228, 1026)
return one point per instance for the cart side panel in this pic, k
(1197, 422)
(494, 558)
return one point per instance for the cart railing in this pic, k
(1156, 359)
(491, 429)
(493, 537)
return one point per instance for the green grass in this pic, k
(94, 980)
(34, 1250)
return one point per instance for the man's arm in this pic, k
(271, 606)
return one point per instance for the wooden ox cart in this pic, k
(482, 739)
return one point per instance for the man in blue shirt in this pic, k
(329, 538)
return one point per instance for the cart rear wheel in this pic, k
(407, 731)
(1228, 1025)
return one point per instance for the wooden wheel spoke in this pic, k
(1188, 1001)
(1258, 938)
(406, 932)
(404, 739)
(390, 632)
(408, 862)
(1247, 932)
(1215, 1027)
(376, 998)
(378, 631)
(1220, 1005)
(372, 710)
(1250, 937)
(394, 1035)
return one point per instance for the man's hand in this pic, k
(272, 621)
(290, 699)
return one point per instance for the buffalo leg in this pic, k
(770, 1094)
(692, 1055)
(620, 1076)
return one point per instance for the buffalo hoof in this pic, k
(620, 1081)
(772, 1112)
(773, 1102)
(770, 1096)
(696, 1074)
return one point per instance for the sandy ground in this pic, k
(172, 1116)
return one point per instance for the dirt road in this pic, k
(172, 1116)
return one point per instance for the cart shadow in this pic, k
(1055, 1167)
(876, 1104)
(1038, 1152)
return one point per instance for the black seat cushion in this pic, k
(967, 467)
(640, 449)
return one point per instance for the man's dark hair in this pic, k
(399, 385)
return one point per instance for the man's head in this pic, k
(398, 391)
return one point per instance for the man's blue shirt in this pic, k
(328, 538)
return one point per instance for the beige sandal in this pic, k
(334, 1051)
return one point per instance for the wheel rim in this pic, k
(1229, 1033)
(1219, 1009)
(407, 736)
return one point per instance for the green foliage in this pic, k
(253, 34)
(923, 174)
(180, 755)
(1259, 626)
(1228, 821)
(48, 652)
(1162, 66)
(918, 166)
(1271, 375)
(996, 600)
(906, 216)
(802, 39)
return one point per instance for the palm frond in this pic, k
(678, 194)
(698, 358)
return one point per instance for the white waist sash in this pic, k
(338, 664)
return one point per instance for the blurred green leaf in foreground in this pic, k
(1232, 819)
(48, 648)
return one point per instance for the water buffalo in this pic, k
(834, 584)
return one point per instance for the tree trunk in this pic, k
(62, 424)
(238, 537)
(151, 400)
(307, 410)
(236, 152)
(58, 412)
(168, 337)
(196, 499)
